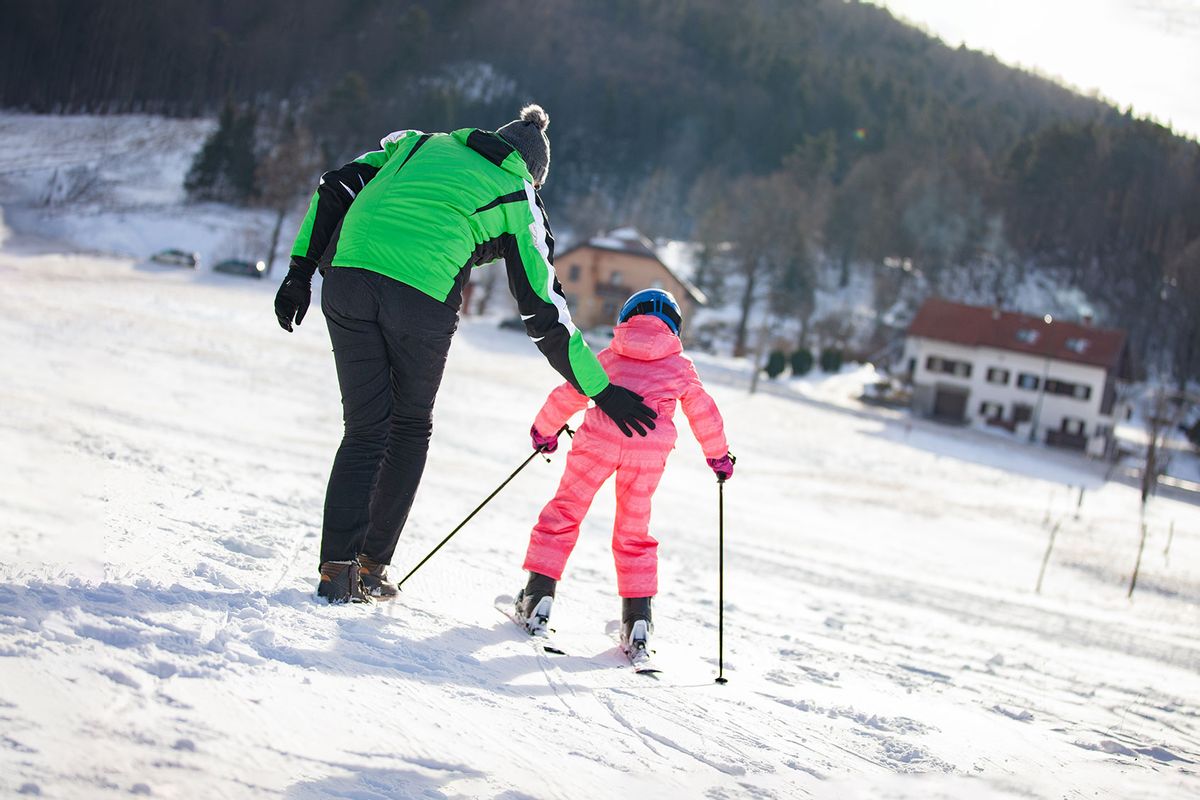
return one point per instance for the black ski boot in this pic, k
(636, 627)
(341, 582)
(533, 603)
(374, 578)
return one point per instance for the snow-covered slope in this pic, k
(163, 450)
(114, 184)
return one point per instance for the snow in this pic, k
(163, 452)
(115, 185)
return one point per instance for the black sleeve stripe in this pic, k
(541, 318)
(334, 197)
(511, 197)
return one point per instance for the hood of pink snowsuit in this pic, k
(645, 338)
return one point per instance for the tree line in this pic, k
(798, 133)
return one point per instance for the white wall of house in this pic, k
(1049, 410)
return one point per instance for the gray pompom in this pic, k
(537, 115)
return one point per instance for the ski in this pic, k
(542, 641)
(642, 662)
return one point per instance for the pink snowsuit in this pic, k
(645, 357)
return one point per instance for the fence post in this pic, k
(1046, 558)
(1138, 565)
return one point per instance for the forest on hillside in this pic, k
(805, 133)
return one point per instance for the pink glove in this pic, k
(543, 444)
(723, 466)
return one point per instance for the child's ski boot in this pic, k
(533, 604)
(636, 626)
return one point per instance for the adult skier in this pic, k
(415, 217)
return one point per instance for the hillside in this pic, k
(807, 133)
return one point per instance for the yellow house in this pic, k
(599, 275)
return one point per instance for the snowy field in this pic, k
(163, 451)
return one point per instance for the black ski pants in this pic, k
(389, 344)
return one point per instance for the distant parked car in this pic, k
(239, 266)
(176, 258)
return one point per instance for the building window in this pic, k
(1022, 413)
(573, 273)
(1073, 427)
(991, 410)
(615, 278)
(1027, 380)
(1077, 390)
(997, 375)
(946, 366)
(1027, 336)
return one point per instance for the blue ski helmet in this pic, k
(656, 303)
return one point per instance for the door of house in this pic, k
(950, 404)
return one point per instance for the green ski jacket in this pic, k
(427, 208)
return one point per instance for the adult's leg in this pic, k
(635, 551)
(557, 530)
(351, 309)
(417, 330)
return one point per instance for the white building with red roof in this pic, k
(1043, 379)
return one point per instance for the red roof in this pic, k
(978, 326)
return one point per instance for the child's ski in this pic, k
(642, 661)
(542, 641)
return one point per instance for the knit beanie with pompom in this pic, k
(528, 135)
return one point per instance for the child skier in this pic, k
(645, 356)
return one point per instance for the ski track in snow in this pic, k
(164, 451)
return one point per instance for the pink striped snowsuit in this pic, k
(646, 358)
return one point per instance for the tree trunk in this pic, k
(739, 344)
(279, 215)
(759, 349)
(1150, 472)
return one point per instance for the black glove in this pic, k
(626, 409)
(292, 299)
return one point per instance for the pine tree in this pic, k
(223, 170)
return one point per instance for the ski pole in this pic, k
(486, 500)
(721, 577)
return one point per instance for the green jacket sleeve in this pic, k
(336, 192)
(529, 258)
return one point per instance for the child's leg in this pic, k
(557, 529)
(635, 551)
